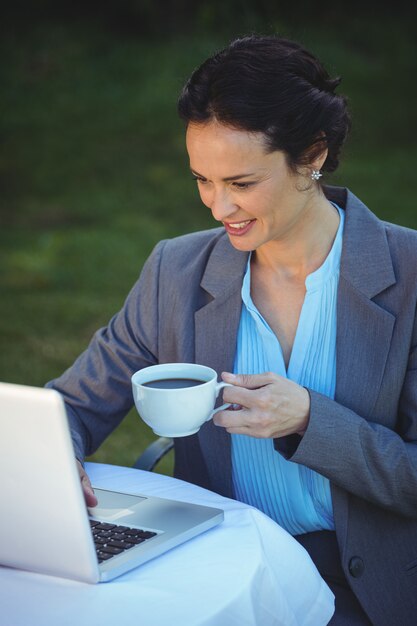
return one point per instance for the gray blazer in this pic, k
(186, 307)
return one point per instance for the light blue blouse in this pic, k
(293, 495)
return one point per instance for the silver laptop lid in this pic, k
(40, 492)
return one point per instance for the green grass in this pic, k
(93, 172)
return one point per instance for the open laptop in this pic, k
(45, 525)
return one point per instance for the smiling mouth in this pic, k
(238, 228)
(239, 224)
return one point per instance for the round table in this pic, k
(247, 571)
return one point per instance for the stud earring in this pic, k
(316, 174)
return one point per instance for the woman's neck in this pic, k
(303, 250)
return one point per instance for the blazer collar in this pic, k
(366, 259)
(225, 269)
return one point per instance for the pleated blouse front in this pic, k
(295, 496)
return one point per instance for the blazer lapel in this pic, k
(364, 329)
(216, 326)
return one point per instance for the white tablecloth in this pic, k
(248, 571)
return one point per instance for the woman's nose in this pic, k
(221, 205)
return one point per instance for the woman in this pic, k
(306, 302)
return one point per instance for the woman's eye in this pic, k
(241, 186)
(199, 179)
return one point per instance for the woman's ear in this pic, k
(320, 159)
(314, 157)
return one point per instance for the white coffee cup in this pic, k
(170, 403)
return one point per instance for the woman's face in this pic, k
(252, 192)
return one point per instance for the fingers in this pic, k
(248, 381)
(90, 498)
(240, 398)
(272, 406)
(234, 421)
(245, 422)
(247, 390)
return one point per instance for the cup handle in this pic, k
(223, 407)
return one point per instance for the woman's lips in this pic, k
(238, 228)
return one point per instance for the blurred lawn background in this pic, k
(93, 168)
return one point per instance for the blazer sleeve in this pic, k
(363, 457)
(96, 388)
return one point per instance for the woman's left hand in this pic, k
(271, 406)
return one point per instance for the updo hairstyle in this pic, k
(274, 86)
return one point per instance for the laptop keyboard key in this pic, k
(135, 540)
(110, 550)
(103, 533)
(146, 534)
(117, 544)
(122, 529)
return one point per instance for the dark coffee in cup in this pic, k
(174, 383)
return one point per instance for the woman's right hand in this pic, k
(88, 491)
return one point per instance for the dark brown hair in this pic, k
(274, 86)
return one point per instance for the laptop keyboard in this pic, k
(111, 539)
